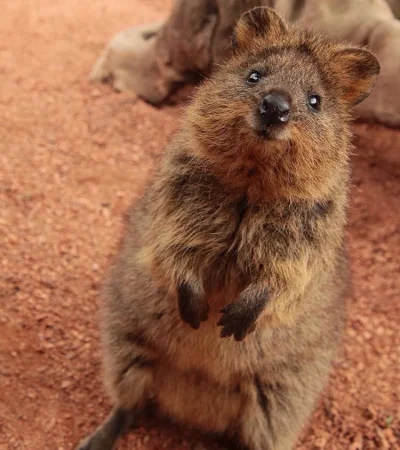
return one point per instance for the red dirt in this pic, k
(73, 156)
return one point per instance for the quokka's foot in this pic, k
(94, 442)
(104, 438)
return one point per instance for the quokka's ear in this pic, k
(260, 22)
(357, 70)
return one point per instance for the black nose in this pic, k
(275, 108)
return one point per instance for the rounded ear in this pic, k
(260, 22)
(358, 70)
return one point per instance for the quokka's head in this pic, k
(282, 87)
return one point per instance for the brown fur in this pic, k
(240, 235)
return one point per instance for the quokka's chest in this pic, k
(280, 232)
(262, 238)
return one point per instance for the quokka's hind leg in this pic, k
(129, 373)
(118, 422)
(128, 378)
(275, 414)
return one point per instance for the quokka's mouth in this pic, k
(268, 133)
(271, 132)
(265, 133)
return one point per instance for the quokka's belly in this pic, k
(193, 400)
(224, 360)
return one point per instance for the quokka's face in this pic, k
(282, 85)
(278, 91)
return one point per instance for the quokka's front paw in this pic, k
(239, 318)
(236, 322)
(193, 306)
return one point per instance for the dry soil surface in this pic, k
(73, 156)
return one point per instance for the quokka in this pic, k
(225, 305)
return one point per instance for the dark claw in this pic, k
(193, 307)
(252, 328)
(222, 321)
(204, 312)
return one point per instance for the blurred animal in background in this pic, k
(153, 60)
(225, 306)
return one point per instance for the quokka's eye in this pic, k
(254, 77)
(314, 101)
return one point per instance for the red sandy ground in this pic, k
(73, 156)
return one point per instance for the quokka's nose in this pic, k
(275, 108)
